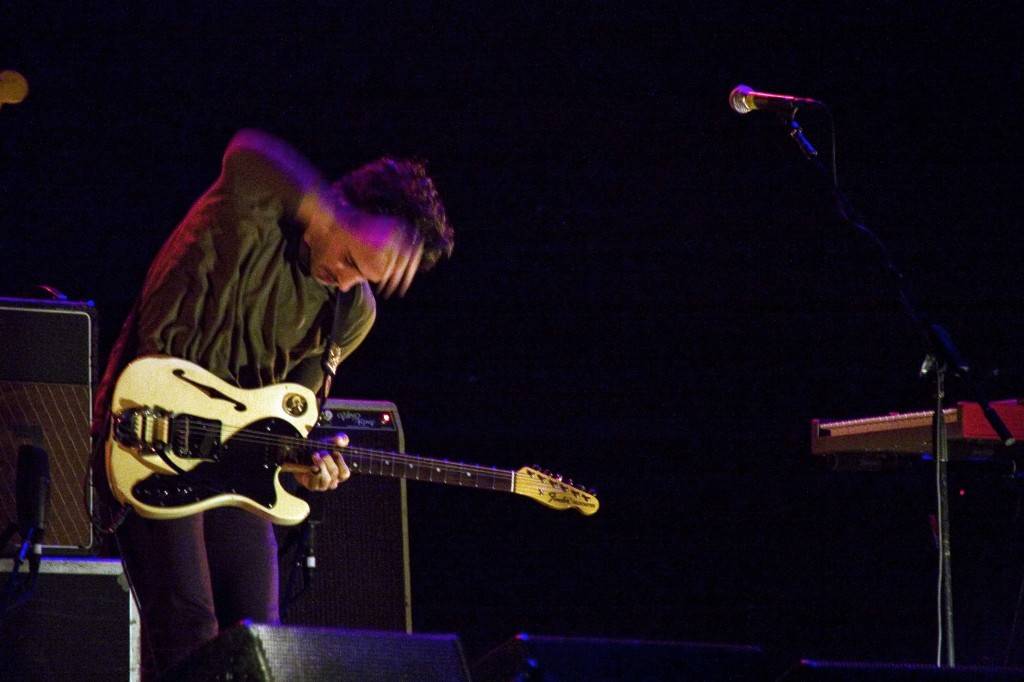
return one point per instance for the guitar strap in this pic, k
(332, 352)
(301, 538)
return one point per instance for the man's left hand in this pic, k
(327, 472)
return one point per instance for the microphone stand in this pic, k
(32, 493)
(940, 355)
(15, 591)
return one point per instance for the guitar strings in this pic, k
(521, 484)
(271, 439)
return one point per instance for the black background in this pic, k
(649, 293)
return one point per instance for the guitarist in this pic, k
(269, 267)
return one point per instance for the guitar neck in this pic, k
(544, 487)
(399, 465)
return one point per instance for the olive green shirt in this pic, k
(230, 291)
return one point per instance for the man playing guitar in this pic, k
(266, 280)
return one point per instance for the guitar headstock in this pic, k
(551, 491)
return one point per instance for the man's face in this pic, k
(367, 248)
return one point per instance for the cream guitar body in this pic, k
(169, 449)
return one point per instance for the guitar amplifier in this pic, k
(360, 531)
(47, 371)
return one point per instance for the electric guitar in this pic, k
(181, 440)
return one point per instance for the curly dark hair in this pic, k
(402, 188)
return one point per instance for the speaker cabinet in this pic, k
(360, 531)
(47, 370)
(529, 657)
(846, 671)
(264, 652)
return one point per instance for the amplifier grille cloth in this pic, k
(54, 417)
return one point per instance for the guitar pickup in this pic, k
(142, 428)
(195, 437)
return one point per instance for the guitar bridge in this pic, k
(154, 430)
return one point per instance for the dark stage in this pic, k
(649, 293)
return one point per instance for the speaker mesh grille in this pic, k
(54, 417)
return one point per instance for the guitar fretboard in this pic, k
(399, 465)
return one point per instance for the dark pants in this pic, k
(196, 575)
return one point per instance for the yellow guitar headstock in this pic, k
(551, 491)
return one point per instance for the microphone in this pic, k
(743, 100)
(32, 492)
(13, 87)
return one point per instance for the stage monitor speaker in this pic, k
(258, 653)
(851, 671)
(550, 659)
(360, 534)
(47, 370)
